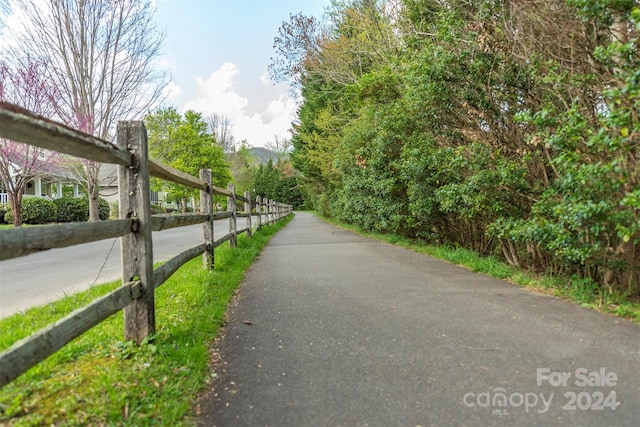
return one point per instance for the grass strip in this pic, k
(581, 291)
(98, 379)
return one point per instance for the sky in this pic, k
(217, 53)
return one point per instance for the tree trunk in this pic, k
(94, 213)
(184, 205)
(15, 201)
(92, 170)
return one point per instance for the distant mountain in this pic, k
(263, 155)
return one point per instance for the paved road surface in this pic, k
(46, 276)
(332, 329)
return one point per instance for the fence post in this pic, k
(272, 208)
(274, 213)
(259, 210)
(233, 224)
(247, 210)
(265, 203)
(267, 207)
(137, 250)
(206, 207)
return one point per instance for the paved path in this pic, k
(332, 329)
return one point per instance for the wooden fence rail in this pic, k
(134, 226)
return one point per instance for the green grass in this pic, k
(580, 291)
(99, 379)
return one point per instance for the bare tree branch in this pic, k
(101, 55)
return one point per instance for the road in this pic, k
(333, 329)
(46, 276)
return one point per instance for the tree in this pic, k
(185, 143)
(222, 130)
(100, 55)
(242, 168)
(295, 45)
(280, 147)
(278, 182)
(508, 127)
(20, 163)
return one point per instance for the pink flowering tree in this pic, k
(29, 88)
(102, 56)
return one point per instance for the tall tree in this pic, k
(221, 128)
(185, 143)
(295, 45)
(100, 56)
(502, 126)
(280, 147)
(242, 168)
(20, 163)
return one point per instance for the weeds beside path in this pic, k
(100, 380)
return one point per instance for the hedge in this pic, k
(37, 210)
(103, 209)
(3, 211)
(72, 209)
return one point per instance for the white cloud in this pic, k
(171, 91)
(165, 63)
(218, 94)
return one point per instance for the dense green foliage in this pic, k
(510, 128)
(72, 209)
(39, 210)
(35, 210)
(184, 142)
(104, 210)
(276, 183)
(4, 208)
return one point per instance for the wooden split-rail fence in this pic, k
(134, 226)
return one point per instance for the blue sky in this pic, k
(218, 51)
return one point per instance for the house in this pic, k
(50, 177)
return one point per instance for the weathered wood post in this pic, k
(274, 212)
(265, 203)
(267, 209)
(247, 210)
(259, 211)
(233, 219)
(137, 250)
(206, 207)
(272, 208)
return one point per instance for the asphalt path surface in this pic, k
(46, 276)
(333, 329)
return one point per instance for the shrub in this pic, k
(72, 209)
(115, 210)
(103, 209)
(156, 209)
(3, 211)
(38, 210)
